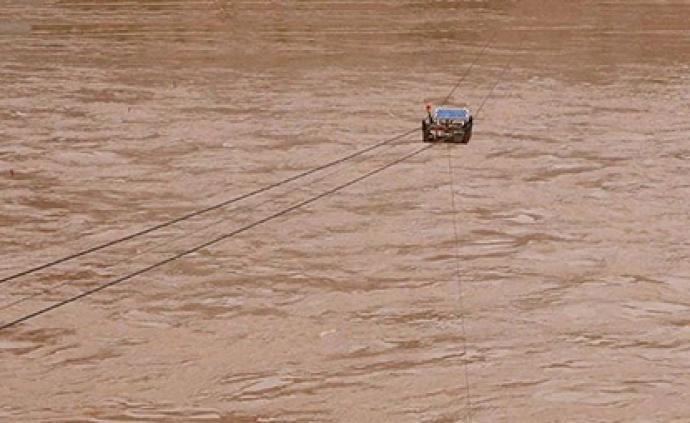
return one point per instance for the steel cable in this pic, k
(156, 246)
(458, 283)
(458, 272)
(216, 240)
(202, 211)
(469, 68)
(498, 80)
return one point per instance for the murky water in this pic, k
(572, 211)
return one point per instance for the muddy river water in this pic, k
(565, 299)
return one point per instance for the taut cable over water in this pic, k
(458, 282)
(164, 242)
(458, 273)
(212, 242)
(469, 68)
(204, 210)
(498, 80)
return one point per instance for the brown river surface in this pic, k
(567, 298)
